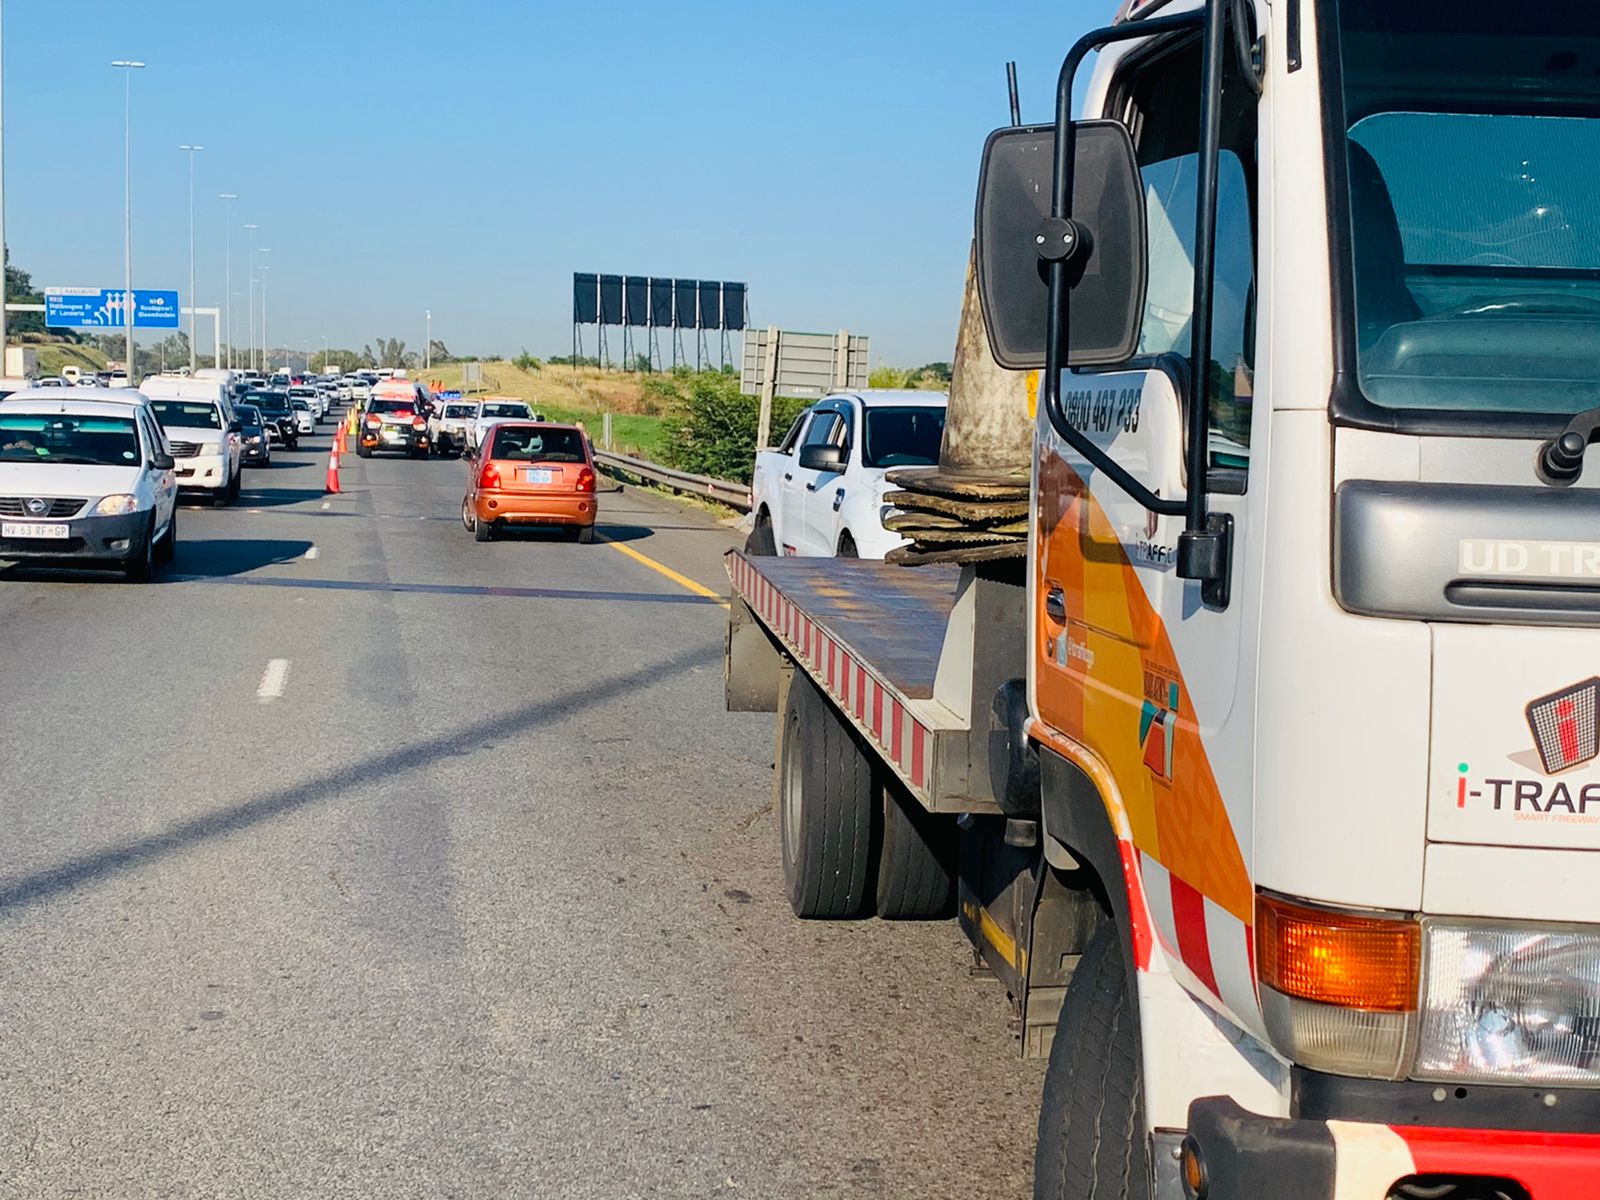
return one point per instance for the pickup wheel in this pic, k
(825, 808)
(847, 546)
(1092, 1144)
(761, 543)
(167, 548)
(363, 451)
(916, 859)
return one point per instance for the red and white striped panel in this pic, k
(1214, 948)
(873, 706)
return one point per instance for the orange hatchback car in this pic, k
(531, 473)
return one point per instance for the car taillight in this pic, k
(586, 480)
(489, 477)
(419, 423)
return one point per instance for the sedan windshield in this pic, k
(902, 437)
(1475, 220)
(63, 438)
(178, 414)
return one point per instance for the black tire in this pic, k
(467, 519)
(761, 543)
(1092, 1143)
(363, 451)
(585, 535)
(167, 547)
(916, 858)
(825, 809)
(236, 485)
(139, 566)
(847, 546)
(482, 531)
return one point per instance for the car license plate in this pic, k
(29, 529)
(537, 475)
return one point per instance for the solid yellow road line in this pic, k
(681, 580)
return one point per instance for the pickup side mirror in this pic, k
(162, 461)
(822, 458)
(1014, 232)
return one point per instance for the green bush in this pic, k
(716, 435)
(526, 362)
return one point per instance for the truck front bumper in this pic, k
(1244, 1156)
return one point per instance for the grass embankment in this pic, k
(566, 394)
(55, 355)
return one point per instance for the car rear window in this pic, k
(381, 405)
(538, 445)
(64, 438)
(186, 415)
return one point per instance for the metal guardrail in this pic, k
(734, 495)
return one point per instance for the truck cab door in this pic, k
(1129, 663)
(822, 504)
(799, 533)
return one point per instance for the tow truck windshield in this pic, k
(1474, 217)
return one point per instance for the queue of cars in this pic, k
(92, 474)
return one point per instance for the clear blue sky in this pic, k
(469, 156)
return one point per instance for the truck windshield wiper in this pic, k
(1560, 460)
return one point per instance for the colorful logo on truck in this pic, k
(1564, 727)
(1158, 720)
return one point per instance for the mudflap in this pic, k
(1028, 925)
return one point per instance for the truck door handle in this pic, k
(788, 476)
(1055, 605)
(838, 499)
(812, 486)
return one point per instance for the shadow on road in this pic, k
(188, 834)
(215, 559)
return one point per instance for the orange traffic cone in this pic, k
(338, 439)
(332, 486)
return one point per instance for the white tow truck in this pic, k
(1262, 779)
(820, 490)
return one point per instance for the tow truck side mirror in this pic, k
(1013, 225)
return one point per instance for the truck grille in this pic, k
(185, 449)
(17, 506)
(1564, 725)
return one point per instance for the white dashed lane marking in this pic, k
(273, 680)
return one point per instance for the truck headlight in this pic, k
(1512, 1004)
(117, 506)
(210, 447)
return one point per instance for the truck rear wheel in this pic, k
(916, 859)
(825, 803)
(1092, 1143)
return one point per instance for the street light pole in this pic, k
(193, 299)
(128, 67)
(252, 229)
(3, 255)
(427, 343)
(227, 265)
(266, 361)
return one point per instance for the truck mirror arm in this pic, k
(1204, 547)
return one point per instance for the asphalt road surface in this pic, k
(354, 858)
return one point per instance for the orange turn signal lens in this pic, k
(1338, 958)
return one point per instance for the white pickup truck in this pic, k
(819, 492)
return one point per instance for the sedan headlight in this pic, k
(254, 439)
(210, 447)
(1513, 1004)
(117, 506)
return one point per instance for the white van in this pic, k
(198, 417)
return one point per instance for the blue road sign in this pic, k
(102, 308)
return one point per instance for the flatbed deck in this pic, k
(870, 635)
